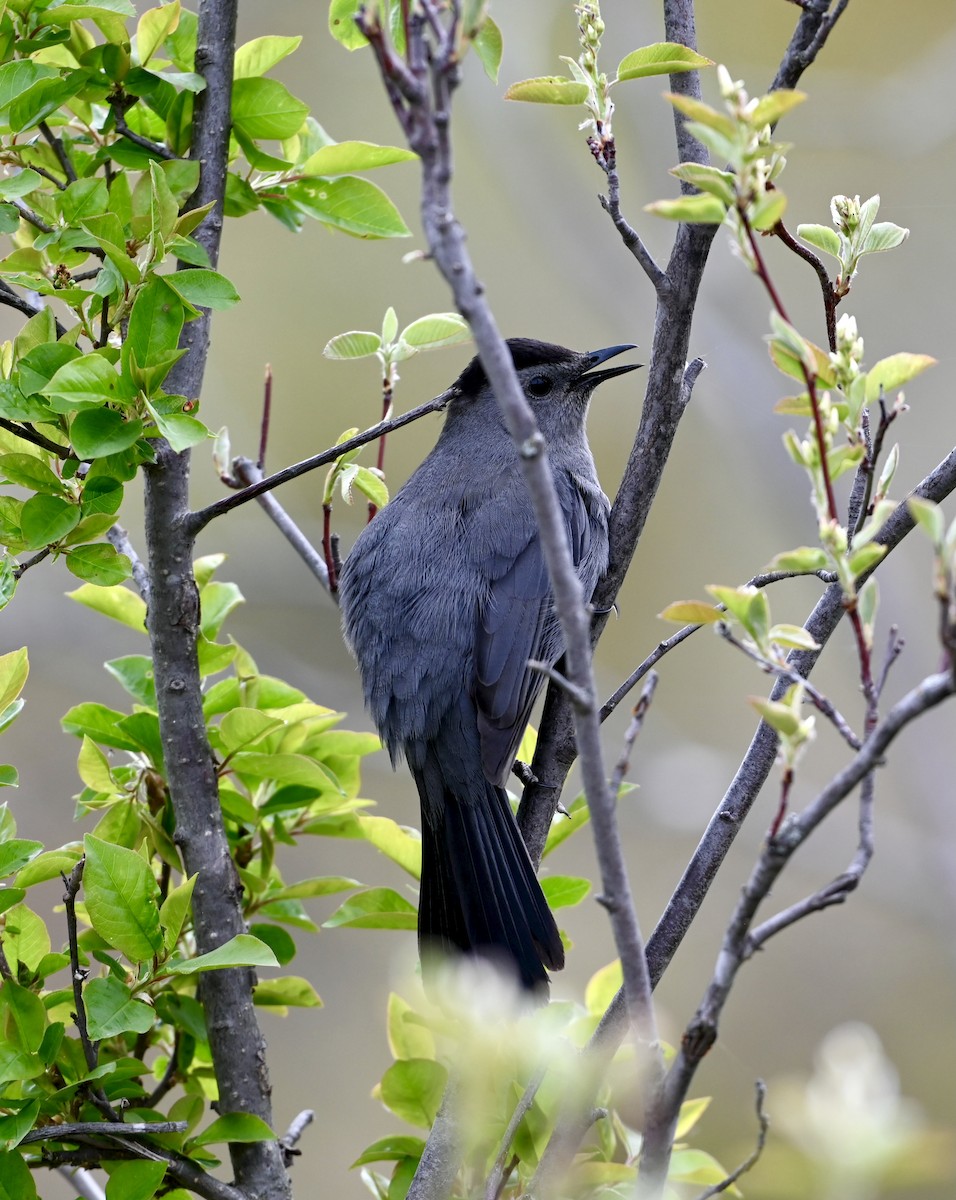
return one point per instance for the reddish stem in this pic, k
(809, 377)
(266, 415)
(327, 549)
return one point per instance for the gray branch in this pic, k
(237, 1045)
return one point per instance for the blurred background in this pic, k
(880, 118)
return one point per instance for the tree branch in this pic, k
(236, 1043)
(201, 518)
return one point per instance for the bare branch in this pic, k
(118, 538)
(29, 308)
(201, 518)
(248, 473)
(611, 203)
(56, 145)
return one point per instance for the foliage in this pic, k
(285, 772)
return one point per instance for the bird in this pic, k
(445, 598)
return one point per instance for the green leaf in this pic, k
(602, 987)
(243, 950)
(804, 558)
(412, 1088)
(350, 204)
(488, 44)
(548, 89)
(701, 209)
(17, 1180)
(929, 517)
(767, 210)
(155, 25)
(884, 235)
(234, 1127)
(771, 108)
(344, 346)
(98, 563)
(15, 1126)
(287, 991)
(66, 13)
(392, 1148)
(376, 908)
(18, 77)
(407, 1036)
(708, 179)
(86, 381)
(19, 185)
(16, 853)
(98, 722)
(399, 843)
(793, 637)
(435, 330)
(180, 430)
(203, 288)
(893, 372)
(342, 25)
(691, 612)
(265, 108)
(822, 237)
(25, 940)
(135, 1180)
(14, 669)
(664, 58)
(31, 473)
(345, 158)
(23, 1017)
(321, 885)
(702, 113)
(262, 54)
(96, 432)
(111, 1009)
(562, 827)
(175, 909)
(117, 602)
(46, 519)
(122, 899)
(865, 558)
(155, 324)
(82, 199)
(564, 891)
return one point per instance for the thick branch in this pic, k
(237, 1046)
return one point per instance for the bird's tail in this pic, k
(479, 892)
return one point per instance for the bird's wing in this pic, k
(516, 622)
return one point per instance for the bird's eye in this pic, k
(540, 385)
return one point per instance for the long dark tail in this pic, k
(479, 892)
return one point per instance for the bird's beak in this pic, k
(596, 357)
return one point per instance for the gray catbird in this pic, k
(445, 598)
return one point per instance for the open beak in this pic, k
(596, 357)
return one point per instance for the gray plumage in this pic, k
(445, 597)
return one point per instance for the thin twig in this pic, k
(266, 418)
(497, 1176)
(118, 538)
(577, 695)
(201, 518)
(29, 308)
(67, 1132)
(290, 1139)
(27, 213)
(665, 647)
(634, 728)
(763, 1128)
(82, 1182)
(830, 297)
(138, 140)
(59, 150)
(611, 203)
(29, 434)
(77, 977)
(21, 568)
(791, 678)
(247, 473)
